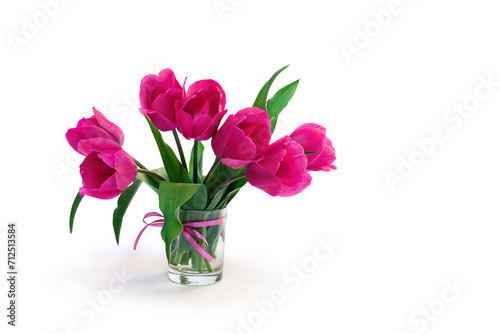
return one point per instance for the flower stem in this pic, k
(212, 170)
(225, 183)
(201, 258)
(199, 262)
(152, 174)
(209, 266)
(195, 162)
(139, 164)
(179, 147)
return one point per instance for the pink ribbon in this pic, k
(187, 231)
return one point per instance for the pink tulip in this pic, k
(202, 110)
(97, 126)
(107, 170)
(282, 171)
(242, 138)
(312, 137)
(160, 96)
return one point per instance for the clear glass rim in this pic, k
(221, 211)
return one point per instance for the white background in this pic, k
(398, 247)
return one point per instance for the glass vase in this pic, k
(188, 265)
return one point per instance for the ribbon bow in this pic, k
(187, 231)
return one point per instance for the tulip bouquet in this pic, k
(192, 204)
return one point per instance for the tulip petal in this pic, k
(205, 84)
(261, 178)
(168, 78)
(160, 98)
(293, 163)
(256, 125)
(235, 164)
(240, 147)
(151, 86)
(126, 170)
(216, 105)
(165, 103)
(236, 141)
(200, 125)
(106, 174)
(94, 171)
(325, 161)
(282, 170)
(197, 104)
(99, 194)
(163, 113)
(261, 136)
(75, 135)
(312, 140)
(95, 127)
(204, 104)
(212, 127)
(109, 157)
(221, 137)
(97, 145)
(309, 126)
(109, 185)
(88, 121)
(185, 122)
(113, 129)
(161, 122)
(294, 186)
(273, 155)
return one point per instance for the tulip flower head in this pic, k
(202, 110)
(243, 137)
(282, 172)
(312, 137)
(97, 126)
(160, 97)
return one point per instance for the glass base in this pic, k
(186, 278)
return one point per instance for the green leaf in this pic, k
(74, 207)
(185, 258)
(215, 201)
(222, 173)
(198, 201)
(201, 149)
(183, 247)
(212, 235)
(279, 101)
(225, 189)
(225, 201)
(152, 183)
(122, 206)
(261, 100)
(149, 181)
(161, 171)
(172, 196)
(175, 171)
(238, 184)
